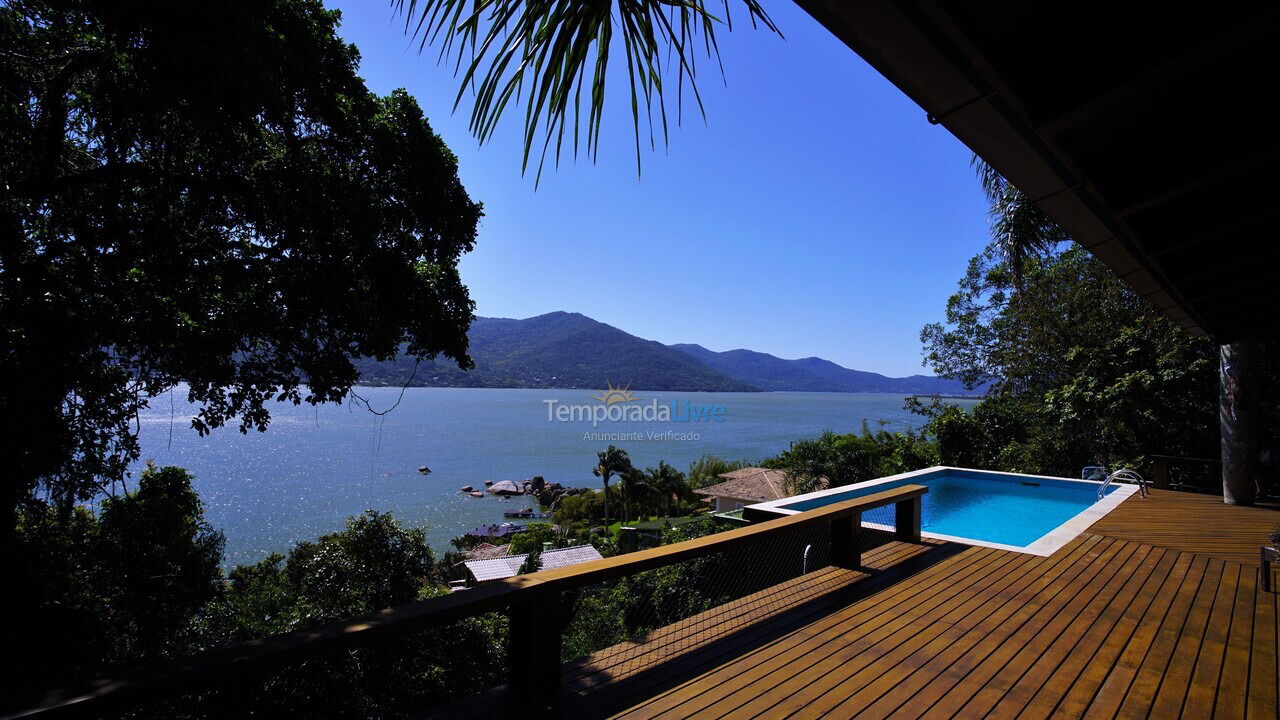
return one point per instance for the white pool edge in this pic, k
(1044, 546)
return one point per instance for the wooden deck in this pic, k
(1155, 612)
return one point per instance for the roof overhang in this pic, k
(1149, 134)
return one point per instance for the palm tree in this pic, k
(610, 461)
(668, 482)
(509, 46)
(1020, 229)
(633, 486)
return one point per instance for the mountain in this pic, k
(562, 350)
(570, 350)
(813, 374)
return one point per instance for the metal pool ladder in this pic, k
(1126, 475)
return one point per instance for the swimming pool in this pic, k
(1026, 513)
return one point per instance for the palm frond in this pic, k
(541, 52)
(1018, 226)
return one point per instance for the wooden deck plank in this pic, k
(1137, 654)
(1195, 696)
(1169, 667)
(1179, 521)
(1132, 633)
(940, 666)
(805, 692)
(1085, 663)
(695, 660)
(1264, 684)
(1021, 580)
(851, 626)
(718, 684)
(1066, 620)
(1233, 687)
(975, 663)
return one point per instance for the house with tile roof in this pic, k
(747, 486)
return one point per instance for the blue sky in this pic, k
(816, 212)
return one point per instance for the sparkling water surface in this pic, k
(314, 467)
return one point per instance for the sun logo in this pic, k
(615, 395)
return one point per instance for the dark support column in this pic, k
(906, 520)
(1237, 419)
(1160, 474)
(846, 546)
(533, 658)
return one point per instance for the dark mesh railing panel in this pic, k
(658, 614)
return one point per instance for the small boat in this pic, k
(424, 469)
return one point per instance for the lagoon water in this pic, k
(314, 467)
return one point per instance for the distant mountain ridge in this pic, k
(813, 374)
(571, 350)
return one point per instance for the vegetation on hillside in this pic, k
(555, 350)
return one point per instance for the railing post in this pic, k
(846, 545)
(1160, 473)
(906, 519)
(533, 656)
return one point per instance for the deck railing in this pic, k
(534, 646)
(1185, 473)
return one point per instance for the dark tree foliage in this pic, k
(124, 586)
(1085, 371)
(372, 564)
(206, 193)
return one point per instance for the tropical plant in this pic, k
(1019, 228)
(832, 459)
(707, 470)
(633, 485)
(609, 462)
(230, 209)
(551, 48)
(668, 484)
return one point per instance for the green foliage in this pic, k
(851, 458)
(531, 564)
(373, 564)
(707, 470)
(577, 509)
(204, 193)
(1086, 372)
(124, 586)
(668, 487)
(534, 538)
(609, 462)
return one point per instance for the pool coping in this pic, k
(1043, 546)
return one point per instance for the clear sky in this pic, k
(816, 212)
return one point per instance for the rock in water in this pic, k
(424, 469)
(466, 488)
(506, 487)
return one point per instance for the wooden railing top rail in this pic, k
(1179, 459)
(203, 669)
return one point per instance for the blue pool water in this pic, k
(1005, 509)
